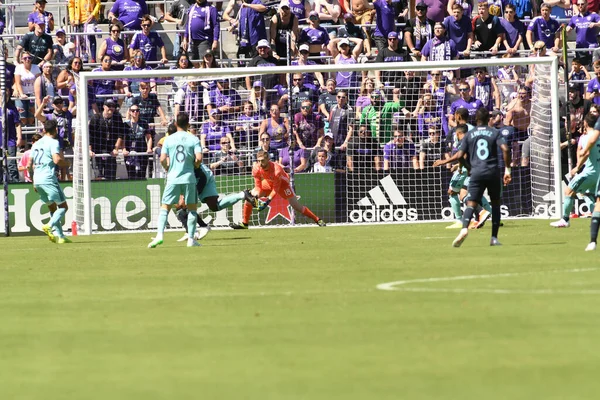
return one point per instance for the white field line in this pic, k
(404, 285)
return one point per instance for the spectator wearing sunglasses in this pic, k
(149, 42)
(515, 30)
(114, 47)
(418, 31)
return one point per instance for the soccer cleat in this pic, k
(561, 223)
(483, 216)
(183, 238)
(455, 225)
(63, 240)
(251, 199)
(494, 242)
(460, 238)
(241, 225)
(473, 224)
(591, 246)
(201, 232)
(48, 231)
(155, 243)
(321, 223)
(193, 243)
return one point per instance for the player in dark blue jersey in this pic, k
(481, 146)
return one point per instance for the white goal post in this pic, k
(85, 202)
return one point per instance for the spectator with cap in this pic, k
(202, 29)
(251, 28)
(300, 93)
(107, 131)
(149, 42)
(84, 13)
(63, 50)
(315, 35)
(356, 35)
(284, 22)
(213, 130)
(129, 13)
(344, 55)
(487, 30)
(440, 47)
(459, 29)
(390, 54)
(385, 22)
(586, 26)
(37, 43)
(224, 99)
(544, 28)
(418, 31)
(41, 13)
(309, 77)
(178, 13)
(263, 60)
(114, 47)
(514, 30)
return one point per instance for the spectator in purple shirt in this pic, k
(308, 127)
(466, 101)
(129, 12)
(593, 87)
(459, 29)
(251, 27)
(586, 26)
(514, 28)
(399, 153)
(418, 31)
(40, 12)
(201, 30)
(224, 99)
(385, 20)
(315, 35)
(436, 9)
(544, 28)
(440, 48)
(298, 161)
(149, 42)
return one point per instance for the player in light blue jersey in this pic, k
(181, 154)
(583, 182)
(590, 154)
(45, 157)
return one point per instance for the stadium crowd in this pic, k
(309, 122)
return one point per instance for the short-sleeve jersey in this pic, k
(44, 167)
(181, 148)
(592, 164)
(482, 144)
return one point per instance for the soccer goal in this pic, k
(357, 139)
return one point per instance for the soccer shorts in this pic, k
(458, 180)
(174, 190)
(209, 189)
(583, 182)
(51, 193)
(478, 185)
(284, 191)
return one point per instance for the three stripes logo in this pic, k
(383, 203)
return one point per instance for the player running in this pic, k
(481, 145)
(270, 180)
(181, 153)
(45, 157)
(585, 180)
(590, 155)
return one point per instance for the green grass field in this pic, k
(296, 314)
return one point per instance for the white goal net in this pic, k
(358, 140)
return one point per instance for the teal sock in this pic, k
(191, 223)
(568, 207)
(455, 205)
(230, 200)
(486, 204)
(590, 201)
(55, 221)
(162, 223)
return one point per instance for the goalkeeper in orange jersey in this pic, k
(270, 180)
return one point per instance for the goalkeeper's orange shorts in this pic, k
(285, 190)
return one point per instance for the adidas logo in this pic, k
(377, 207)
